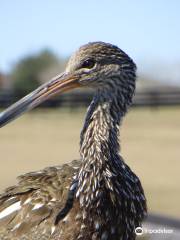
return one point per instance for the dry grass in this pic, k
(150, 140)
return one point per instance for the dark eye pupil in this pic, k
(89, 63)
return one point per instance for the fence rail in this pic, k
(142, 98)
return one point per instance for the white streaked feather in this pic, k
(27, 201)
(16, 226)
(7, 211)
(53, 228)
(11, 198)
(53, 199)
(65, 219)
(37, 206)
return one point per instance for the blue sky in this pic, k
(149, 31)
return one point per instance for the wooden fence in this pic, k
(151, 97)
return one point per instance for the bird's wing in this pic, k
(35, 201)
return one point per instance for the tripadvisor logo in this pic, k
(139, 231)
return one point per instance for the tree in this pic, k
(26, 74)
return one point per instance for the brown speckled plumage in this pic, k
(97, 197)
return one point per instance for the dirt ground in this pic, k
(150, 143)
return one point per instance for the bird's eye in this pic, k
(89, 63)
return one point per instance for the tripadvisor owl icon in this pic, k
(139, 231)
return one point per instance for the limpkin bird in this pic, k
(97, 197)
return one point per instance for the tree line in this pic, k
(32, 70)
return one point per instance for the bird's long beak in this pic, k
(57, 85)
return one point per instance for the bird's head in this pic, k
(96, 65)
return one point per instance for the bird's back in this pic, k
(28, 210)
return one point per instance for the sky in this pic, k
(149, 31)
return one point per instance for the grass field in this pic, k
(150, 143)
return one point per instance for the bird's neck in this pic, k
(100, 134)
(99, 147)
(101, 128)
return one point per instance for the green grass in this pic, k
(150, 143)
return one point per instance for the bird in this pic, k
(97, 197)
